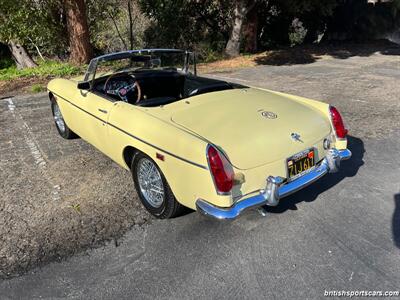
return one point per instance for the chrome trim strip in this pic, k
(116, 55)
(94, 116)
(133, 136)
(93, 64)
(274, 184)
(158, 148)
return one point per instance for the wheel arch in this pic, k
(128, 153)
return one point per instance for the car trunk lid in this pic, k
(253, 127)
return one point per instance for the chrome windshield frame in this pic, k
(91, 70)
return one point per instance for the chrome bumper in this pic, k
(275, 188)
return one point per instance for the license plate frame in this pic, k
(292, 171)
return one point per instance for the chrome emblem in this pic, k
(296, 137)
(268, 114)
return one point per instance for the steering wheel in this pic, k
(123, 91)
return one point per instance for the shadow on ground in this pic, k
(348, 169)
(310, 54)
(396, 221)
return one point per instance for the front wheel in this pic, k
(152, 188)
(61, 126)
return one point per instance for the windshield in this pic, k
(168, 59)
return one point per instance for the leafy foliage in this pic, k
(6, 63)
(38, 88)
(204, 26)
(359, 20)
(187, 23)
(297, 33)
(44, 69)
(109, 25)
(33, 24)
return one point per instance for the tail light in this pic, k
(221, 170)
(337, 122)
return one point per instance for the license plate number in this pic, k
(301, 163)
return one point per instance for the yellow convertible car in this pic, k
(196, 142)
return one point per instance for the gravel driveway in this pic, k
(60, 197)
(57, 196)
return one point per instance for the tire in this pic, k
(156, 196)
(61, 126)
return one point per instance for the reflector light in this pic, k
(221, 170)
(337, 123)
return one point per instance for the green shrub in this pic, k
(206, 54)
(37, 88)
(44, 69)
(297, 33)
(6, 63)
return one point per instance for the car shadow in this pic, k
(348, 169)
(396, 220)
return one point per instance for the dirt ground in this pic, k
(61, 197)
(301, 55)
(57, 196)
(20, 86)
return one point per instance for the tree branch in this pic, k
(116, 28)
(130, 24)
(37, 49)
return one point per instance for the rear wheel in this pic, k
(153, 189)
(61, 126)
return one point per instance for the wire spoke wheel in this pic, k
(153, 189)
(58, 118)
(61, 125)
(150, 182)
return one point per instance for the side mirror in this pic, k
(84, 85)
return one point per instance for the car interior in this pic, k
(152, 88)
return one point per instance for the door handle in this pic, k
(102, 110)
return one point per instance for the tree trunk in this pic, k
(312, 31)
(242, 7)
(130, 24)
(21, 56)
(233, 46)
(78, 31)
(250, 31)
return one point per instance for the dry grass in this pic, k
(227, 64)
(272, 57)
(300, 55)
(20, 86)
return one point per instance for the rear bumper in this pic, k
(276, 189)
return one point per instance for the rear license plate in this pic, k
(300, 164)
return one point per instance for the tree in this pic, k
(172, 24)
(361, 20)
(130, 24)
(20, 55)
(116, 25)
(29, 26)
(314, 14)
(78, 31)
(250, 32)
(11, 15)
(242, 7)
